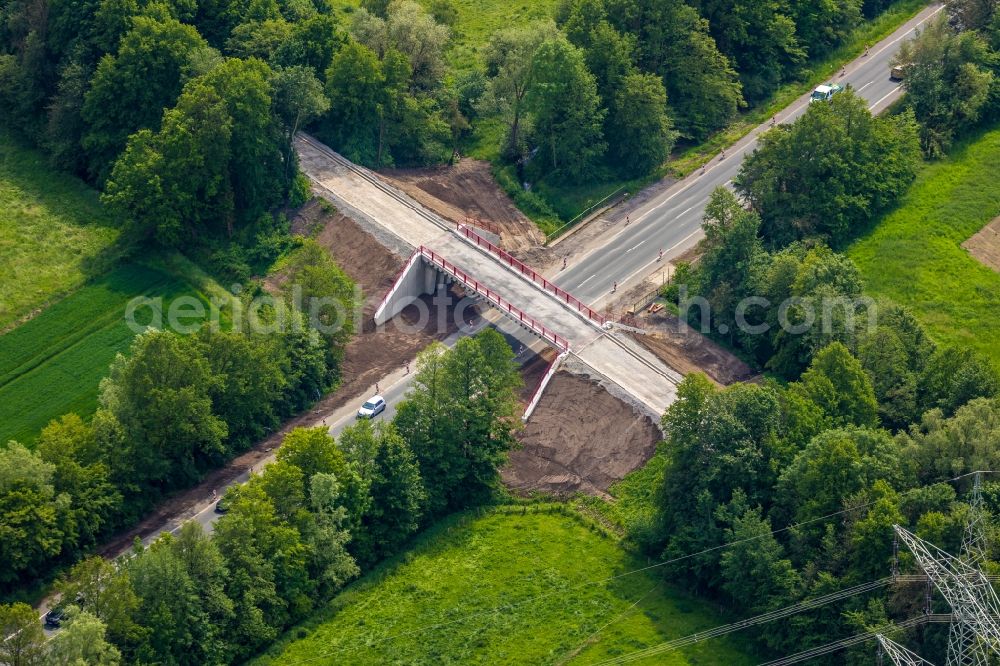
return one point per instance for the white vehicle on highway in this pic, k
(825, 92)
(374, 406)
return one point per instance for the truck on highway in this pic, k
(825, 92)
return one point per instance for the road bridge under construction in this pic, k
(443, 252)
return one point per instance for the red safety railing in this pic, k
(482, 224)
(531, 274)
(540, 329)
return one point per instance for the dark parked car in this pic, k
(55, 617)
(222, 505)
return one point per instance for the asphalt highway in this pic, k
(671, 222)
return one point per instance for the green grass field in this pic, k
(475, 21)
(53, 363)
(54, 233)
(505, 588)
(914, 255)
(478, 19)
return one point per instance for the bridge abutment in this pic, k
(415, 280)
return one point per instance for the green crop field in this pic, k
(54, 233)
(505, 588)
(914, 255)
(53, 363)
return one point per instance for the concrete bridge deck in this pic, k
(642, 376)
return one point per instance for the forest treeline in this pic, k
(292, 536)
(183, 111)
(170, 410)
(866, 422)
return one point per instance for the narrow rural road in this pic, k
(393, 389)
(672, 220)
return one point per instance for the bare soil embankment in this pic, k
(467, 189)
(985, 245)
(579, 439)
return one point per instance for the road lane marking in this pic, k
(865, 86)
(588, 279)
(638, 244)
(684, 211)
(656, 260)
(909, 32)
(754, 135)
(886, 96)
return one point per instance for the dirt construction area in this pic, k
(686, 350)
(467, 189)
(370, 355)
(985, 245)
(579, 439)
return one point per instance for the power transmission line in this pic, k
(851, 641)
(963, 634)
(898, 654)
(554, 593)
(963, 647)
(974, 604)
(777, 614)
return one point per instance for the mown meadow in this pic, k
(535, 584)
(54, 232)
(914, 255)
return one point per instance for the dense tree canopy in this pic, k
(510, 65)
(458, 418)
(565, 109)
(948, 80)
(130, 89)
(846, 167)
(292, 536)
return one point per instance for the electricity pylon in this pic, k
(974, 606)
(963, 647)
(898, 654)
(974, 540)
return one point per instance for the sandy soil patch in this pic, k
(686, 350)
(467, 189)
(985, 245)
(579, 439)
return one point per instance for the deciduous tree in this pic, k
(565, 109)
(837, 383)
(130, 89)
(33, 517)
(396, 489)
(640, 134)
(24, 640)
(947, 81)
(849, 166)
(459, 419)
(159, 395)
(81, 640)
(510, 66)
